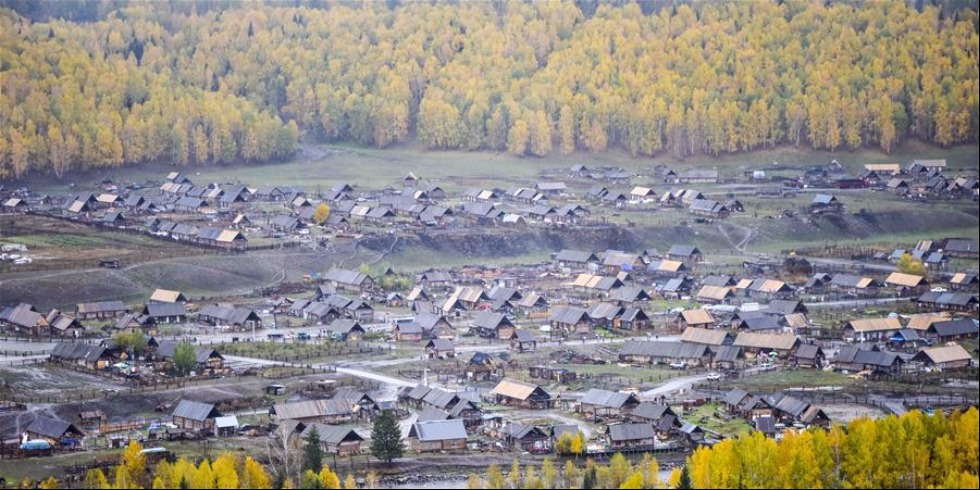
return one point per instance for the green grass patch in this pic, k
(712, 416)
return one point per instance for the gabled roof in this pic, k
(197, 411)
(785, 307)
(522, 335)
(159, 310)
(531, 300)
(100, 307)
(432, 413)
(875, 324)
(789, 405)
(905, 280)
(809, 351)
(608, 399)
(713, 293)
(23, 315)
(631, 432)
(438, 430)
(764, 322)
(576, 256)
(651, 411)
(736, 397)
(664, 349)
(440, 344)
(729, 353)
(439, 398)
(345, 276)
(569, 315)
(77, 351)
(697, 317)
(666, 266)
(849, 354)
(923, 321)
(718, 281)
(766, 341)
(683, 251)
(491, 321)
(951, 328)
(167, 296)
(769, 286)
(824, 199)
(50, 428)
(312, 408)
(704, 336)
(851, 281)
(344, 326)
(519, 390)
(332, 434)
(941, 355)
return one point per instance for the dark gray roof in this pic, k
(736, 396)
(954, 299)
(524, 335)
(673, 285)
(490, 320)
(345, 276)
(343, 326)
(756, 323)
(431, 413)
(961, 245)
(192, 410)
(440, 344)
(718, 281)
(438, 430)
(631, 432)
(606, 398)
(440, 398)
(683, 250)
(963, 326)
(287, 222)
(576, 256)
(629, 294)
(784, 307)
(428, 321)
(419, 392)
(54, 429)
(232, 316)
(809, 351)
(850, 354)
(77, 351)
(570, 315)
(788, 404)
(708, 205)
(332, 434)
(650, 411)
(662, 349)
(729, 353)
(22, 315)
(158, 310)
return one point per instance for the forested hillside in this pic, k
(238, 84)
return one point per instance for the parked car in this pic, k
(713, 376)
(678, 365)
(766, 366)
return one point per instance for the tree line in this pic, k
(149, 83)
(911, 451)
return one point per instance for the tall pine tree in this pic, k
(312, 451)
(386, 438)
